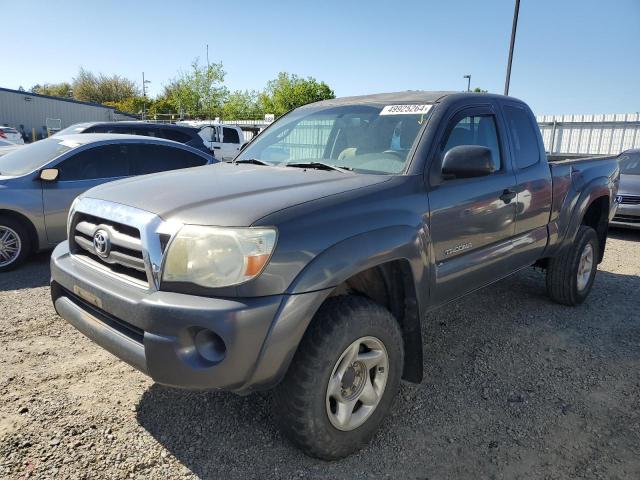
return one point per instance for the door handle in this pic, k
(508, 194)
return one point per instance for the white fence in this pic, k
(606, 134)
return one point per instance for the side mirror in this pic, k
(467, 161)
(49, 174)
(244, 145)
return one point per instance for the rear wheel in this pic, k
(15, 244)
(570, 276)
(343, 378)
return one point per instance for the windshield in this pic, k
(33, 156)
(363, 138)
(630, 164)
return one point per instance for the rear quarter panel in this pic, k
(576, 185)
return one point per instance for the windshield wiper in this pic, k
(252, 161)
(318, 166)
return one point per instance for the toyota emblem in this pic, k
(102, 243)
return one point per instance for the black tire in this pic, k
(24, 241)
(562, 271)
(300, 401)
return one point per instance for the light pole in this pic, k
(144, 95)
(468, 77)
(514, 26)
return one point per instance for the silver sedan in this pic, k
(38, 182)
(628, 199)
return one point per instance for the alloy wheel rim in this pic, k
(10, 246)
(585, 267)
(357, 383)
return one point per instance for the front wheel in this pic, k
(15, 244)
(343, 378)
(570, 276)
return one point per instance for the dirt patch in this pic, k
(515, 387)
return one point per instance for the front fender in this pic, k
(366, 250)
(316, 282)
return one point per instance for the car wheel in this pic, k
(15, 244)
(570, 276)
(343, 378)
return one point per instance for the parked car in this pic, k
(308, 263)
(39, 181)
(11, 135)
(225, 141)
(628, 212)
(178, 133)
(6, 147)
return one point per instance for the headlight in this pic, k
(216, 256)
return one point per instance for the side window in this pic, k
(158, 158)
(175, 135)
(230, 135)
(108, 161)
(523, 136)
(476, 130)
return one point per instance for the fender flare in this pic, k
(372, 249)
(595, 189)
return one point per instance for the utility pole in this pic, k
(144, 95)
(468, 77)
(514, 26)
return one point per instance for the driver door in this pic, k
(472, 220)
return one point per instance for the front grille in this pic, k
(626, 219)
(125, 255)
(630, 199)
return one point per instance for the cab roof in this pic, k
(409, 96)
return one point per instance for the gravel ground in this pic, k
(515, 387)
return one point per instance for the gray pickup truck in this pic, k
(307, 264)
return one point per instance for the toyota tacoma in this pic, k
(307, 264)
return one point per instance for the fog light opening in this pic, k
(210, 346)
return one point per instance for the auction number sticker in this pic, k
(405, 109)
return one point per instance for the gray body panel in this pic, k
(454, 236)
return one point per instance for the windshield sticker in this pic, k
(405, 109)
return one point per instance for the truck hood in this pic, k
(228, 194)
(629, 184)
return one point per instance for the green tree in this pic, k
(242, 105)
(160, 106)
(130, 104)
(289, 91)
(89, 87)
(199, 92)
(479, 90)
(62, 89)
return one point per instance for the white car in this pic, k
(11, 135)
(225, 141)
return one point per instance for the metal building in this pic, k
(29, 112)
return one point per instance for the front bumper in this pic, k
(155, 331)
(627, 216)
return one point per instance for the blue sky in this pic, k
(572, 56)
